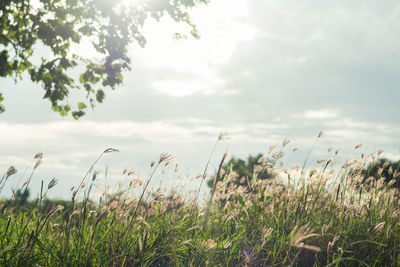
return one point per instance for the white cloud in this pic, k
(179, 88)
(321, 114)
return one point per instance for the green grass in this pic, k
(322, 217)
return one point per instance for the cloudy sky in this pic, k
(263, 70)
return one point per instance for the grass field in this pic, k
(326, 216)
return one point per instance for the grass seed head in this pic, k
(358, 146)
(226, 244)
(223, 135)
(285, 142)
(378, 227)
(52, 183)
(210, 244)
(38, 157)
(271, 148)
(110, 150)
(11, 171)
(396, 213)
(165, 157)
(266, 232)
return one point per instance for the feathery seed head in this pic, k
(52, 183)
(358, 146)
(285, 142)
(165, 157)
(271, 148)
(110, 150)
(210, 244)
(223, 135)
(11, 171)
(378, 227)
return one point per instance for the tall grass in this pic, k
(329, 218)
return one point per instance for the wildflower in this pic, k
(249, 255)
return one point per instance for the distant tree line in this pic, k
(383, 168)
(245, 170)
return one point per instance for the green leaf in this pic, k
(82, 78)
(240, 199)
(100, 96)
(81, 105)
(57, 24)
(261, 198)
(77, 114)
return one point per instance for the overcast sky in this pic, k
(263, 70)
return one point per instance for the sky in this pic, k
(263, 70)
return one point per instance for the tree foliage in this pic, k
(386, 169)
(244, 171)
(110, 25)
